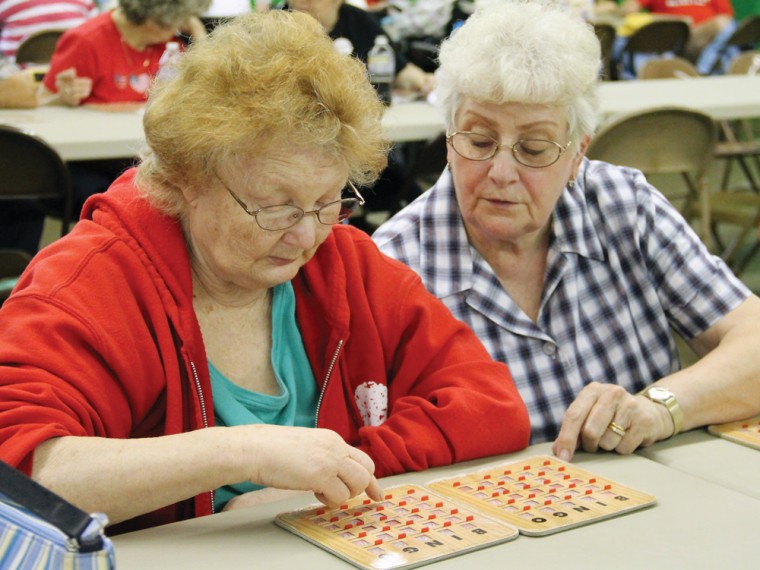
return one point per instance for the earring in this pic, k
(571, 183)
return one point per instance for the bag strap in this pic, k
(71, 520)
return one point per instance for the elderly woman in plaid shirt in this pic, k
(572, 271)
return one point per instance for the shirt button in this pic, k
(550, 349)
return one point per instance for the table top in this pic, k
(712, 458)
(695, 524)
(85, 133)
(720, 96)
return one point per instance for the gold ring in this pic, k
(616, 429)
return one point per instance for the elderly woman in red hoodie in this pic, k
(210, 327)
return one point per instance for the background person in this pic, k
(119, 51)
(360, 28)
(111, 60)
(18, 90)
(571, 270)
(210, 310)
(343, 20)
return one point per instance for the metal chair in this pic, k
(606, 34)
(12, 264)
(746, 63)
(746, 37)
(665, 140)
(657, 37)
(30, 169)
(737, 139)
(667, 68)
(681, 141)
(38, 47)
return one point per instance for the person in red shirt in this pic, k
(708, 18)
(210, 327)
(113, 57)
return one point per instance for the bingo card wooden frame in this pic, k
(746, 432)
(417, 525)
(542, 495)
(409, 528)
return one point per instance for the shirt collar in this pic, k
(446, 257)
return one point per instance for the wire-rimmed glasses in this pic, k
(285, 216)
(534, 153)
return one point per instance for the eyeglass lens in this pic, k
(529, 152)
(284, 217)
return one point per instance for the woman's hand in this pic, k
(72, 89)
(310, 459)
(606, 416)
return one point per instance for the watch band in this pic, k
(662, 395)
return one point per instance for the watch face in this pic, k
(659, 394)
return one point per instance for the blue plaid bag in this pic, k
(40, 530)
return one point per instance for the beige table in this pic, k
(722, 97)
(83, 133)
(80, 134)
(711, 458)
(695, 525)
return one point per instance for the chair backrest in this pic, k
(606, 34)
(747, 33)
(667, 68)
(38, 47)
(12, 265)
(659, 36)
(32, 169)
(746, 63)
(665, 140)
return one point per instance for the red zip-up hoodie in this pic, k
(100, 339)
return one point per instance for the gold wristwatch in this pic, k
(661, 395)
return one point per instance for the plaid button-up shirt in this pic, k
(623, 268)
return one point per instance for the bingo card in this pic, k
(746, 432)
(542, 495)
(410, 527)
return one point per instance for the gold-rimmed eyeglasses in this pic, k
(535, 153)
(285, 216)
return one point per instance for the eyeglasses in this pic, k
(535, 153)
(284, 216)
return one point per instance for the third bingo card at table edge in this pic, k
(409, 528)
(542, 495)
(746, 432)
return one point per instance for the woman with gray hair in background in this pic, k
(572, 271)
(113, 57)
(211, 327)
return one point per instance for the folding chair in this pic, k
(665, 140)
(667, 68)
(746, 63)
(675, 140)
(746, 36)
(12, 264)
(657, 37)
(738, 142)
(30, 169)
(38, 47)
(606, 34)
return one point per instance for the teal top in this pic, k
(295, 405)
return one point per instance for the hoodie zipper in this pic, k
(204, 417)
(327, 378)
